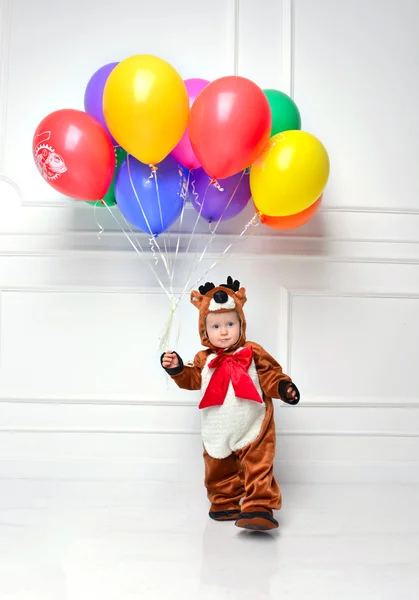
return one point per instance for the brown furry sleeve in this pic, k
(189, 378)
(269, 371)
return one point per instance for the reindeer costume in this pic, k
(238, 429)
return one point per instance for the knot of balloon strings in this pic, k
(154, 170)
(215, 183)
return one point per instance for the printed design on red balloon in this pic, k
(50, 164)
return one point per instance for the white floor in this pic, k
(148, 540)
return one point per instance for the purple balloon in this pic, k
(214, 198)
(93, 96)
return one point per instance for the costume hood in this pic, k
(227, 296)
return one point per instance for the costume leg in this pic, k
(224, 483)
(262, 493)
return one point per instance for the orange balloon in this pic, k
(292, 221)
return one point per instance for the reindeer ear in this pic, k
(241, 295)
(196, 299)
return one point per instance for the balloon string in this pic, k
(194, 193)
(230, 200)
(165, 338)
(145, 217)
(140, 254)
(184, 198)
(136, 196)
(174, 302)
(154, 173)
(213, 232)
(254, 221)
(201, 206)
(151, 243)
(166, 332)
(101, 230)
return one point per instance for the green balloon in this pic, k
(285, 113)
(109, 198)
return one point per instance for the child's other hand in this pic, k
(291, 393)
(170, 360)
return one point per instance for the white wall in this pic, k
(81, 390)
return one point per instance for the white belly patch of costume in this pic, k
(236, 423)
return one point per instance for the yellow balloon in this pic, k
(146, 107)
(290, 174)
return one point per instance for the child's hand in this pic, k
(291, 393)
(170, 360)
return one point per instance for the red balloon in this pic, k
(229, 125)
(74, 154)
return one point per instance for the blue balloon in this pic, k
(138, 199)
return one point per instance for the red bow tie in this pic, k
(230, 368)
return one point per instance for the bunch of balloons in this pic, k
(148, 139)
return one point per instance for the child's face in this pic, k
(223, 329)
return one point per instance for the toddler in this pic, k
(238, 380)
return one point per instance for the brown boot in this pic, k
(224, 515)
(256, 521)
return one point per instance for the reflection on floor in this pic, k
(126, 540)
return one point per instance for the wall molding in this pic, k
(300, 471)
(369, 209)
(284, 328)
(5, 34)
(158, 432)
(1, 322)
(286, 317)
(65, 202)
(233, 33)
(344, 234)
(87, 289)
(309, 402)
(287, 247)
(331, 294)
(288, 39)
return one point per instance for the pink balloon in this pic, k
(183, 152)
